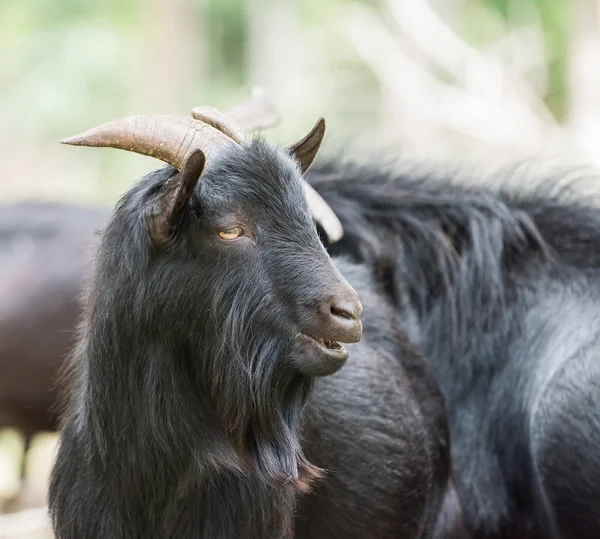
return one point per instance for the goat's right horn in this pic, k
(169, 138)
(185, 143)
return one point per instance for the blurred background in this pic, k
(454, 79)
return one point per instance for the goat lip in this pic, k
(336, 351)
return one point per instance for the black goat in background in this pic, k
(200, 405)
(502, 293)
(42, 250)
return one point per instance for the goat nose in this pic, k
(341, 320)
(350, 308)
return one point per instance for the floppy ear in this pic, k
(169, 205)
(306, 150)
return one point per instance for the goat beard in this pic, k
(260, 398)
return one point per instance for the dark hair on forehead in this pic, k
(238, 178)
(256, 169)
(258, 166)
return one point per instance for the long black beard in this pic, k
(258, 396)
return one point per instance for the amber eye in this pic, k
(231, 233)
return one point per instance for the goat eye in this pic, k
(231, 233)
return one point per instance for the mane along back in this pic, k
(460, 234)
(495, 275)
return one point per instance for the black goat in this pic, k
(502, 292)
(41, 275)
(199, 403)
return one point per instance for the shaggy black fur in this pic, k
(191, 414)
(501, 290)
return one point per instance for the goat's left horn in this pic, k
(323, 214)
(220, 121)
(257, 112)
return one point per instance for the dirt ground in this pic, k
(24, 517)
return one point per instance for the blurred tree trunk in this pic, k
(176, 60)
(278, 56)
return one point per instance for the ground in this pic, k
(26, 517)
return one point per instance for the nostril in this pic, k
(347, 309)
(340, 311)
(339, 318)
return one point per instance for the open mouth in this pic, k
(326, 344)
(320, 356)
(330, 345)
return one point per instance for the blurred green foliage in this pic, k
(556, 17)
(69, 64)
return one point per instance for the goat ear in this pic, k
(168, 207)
(306, 150)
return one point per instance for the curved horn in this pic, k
(323, 214)
(225, 124)
(185, 143)
(169, 138)
(306, 149)
(174, 139)
(257, 112)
